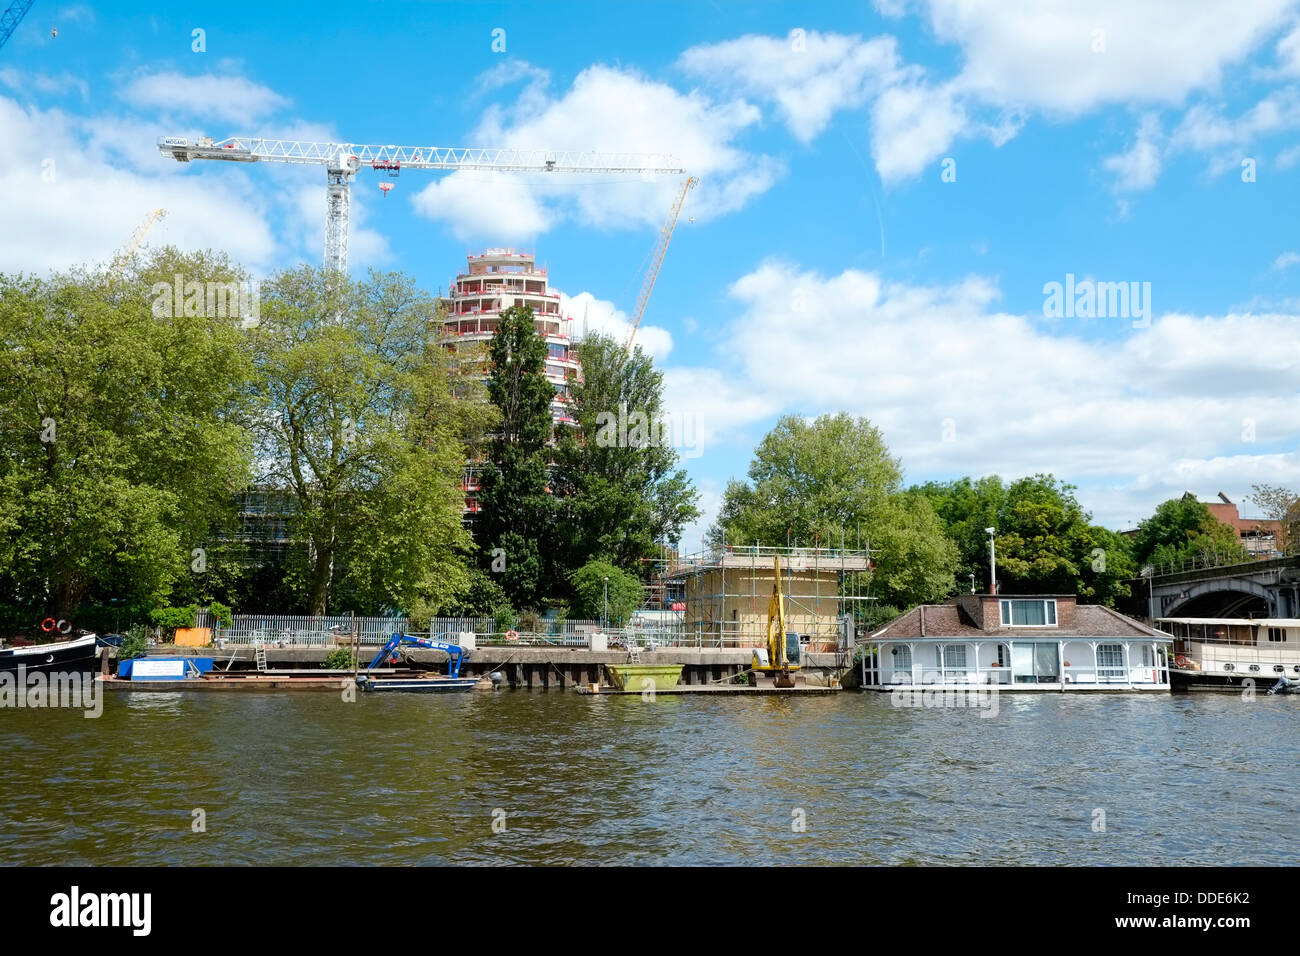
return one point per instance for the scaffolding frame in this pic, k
(705, 587)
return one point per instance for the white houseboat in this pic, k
(1222, 653)
(1044, 642)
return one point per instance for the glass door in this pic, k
(1035, 663)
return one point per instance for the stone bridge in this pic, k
(1267, 588)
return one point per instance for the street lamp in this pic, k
(972, 583)
(993, 561)
(604, 615)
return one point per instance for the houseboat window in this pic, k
(1148, 656)
(1110, 655)
(954, 657)
(902, 655)
(1028, 613)
(1277, 634)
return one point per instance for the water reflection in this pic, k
(518, 777)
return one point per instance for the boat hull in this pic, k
(77, 654)
(1190, 680)
(418, 685)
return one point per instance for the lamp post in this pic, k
(604, 615)
(972, 584)
(993, 561)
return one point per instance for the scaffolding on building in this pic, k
(719, 597)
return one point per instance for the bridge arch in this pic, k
(1225, 597)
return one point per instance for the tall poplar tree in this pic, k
(515, 527)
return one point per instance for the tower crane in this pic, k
(10, 19)
(665, 235)
(342, 161)
(128, 250)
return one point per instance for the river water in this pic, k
(522, 777)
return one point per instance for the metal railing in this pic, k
(1209, 560)
(283, 630)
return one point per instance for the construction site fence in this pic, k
(277, 630)
(283, 630)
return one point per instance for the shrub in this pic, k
(340, 659)
(503, 618)
(135, 642)
(221, 612)
(167, 619)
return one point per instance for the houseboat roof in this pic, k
(957, 620)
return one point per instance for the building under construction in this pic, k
(719, 598)
(495, 280)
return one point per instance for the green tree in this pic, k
(832, 482)
(1045, 539)
(481, 598)
(1281, 505)
(122, 433)
(594, 580)
(617, 478)
(1185, 530)
(518, 511)
(358, 423)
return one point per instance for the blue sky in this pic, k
(829, 266)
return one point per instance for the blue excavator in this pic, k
(391, 653)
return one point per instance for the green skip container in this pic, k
(644, 677)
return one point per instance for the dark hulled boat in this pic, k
(71, 654)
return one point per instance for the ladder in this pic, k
(633, 651)
(259, 655)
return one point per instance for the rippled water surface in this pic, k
(303, 778)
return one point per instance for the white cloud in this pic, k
(1205, 128)
(911, 127)
(67, 204)
(1041, 56)
(716, 403)
(594, 315)
(1129, 412)
(608, 110)
(1286, 260)
(1288, 53)
(1138, 168)
(229, 99)
(477, 205)
(48, 84)
(809, 76)
(1061, 60)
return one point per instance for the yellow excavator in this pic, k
(775, 662)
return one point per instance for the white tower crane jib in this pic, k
(342, 161)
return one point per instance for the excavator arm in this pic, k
(456, 654)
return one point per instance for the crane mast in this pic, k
(342, 162)
(10, 19)
(127, 251)
(665, 236)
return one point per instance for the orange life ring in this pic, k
(48, 625)
(512, 635)
(1181, 661)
